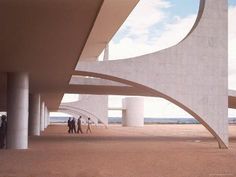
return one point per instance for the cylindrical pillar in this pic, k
(45, 117)
(42, 116)
(133, 111)
(17, 110)
(34, 115)
(48, 117)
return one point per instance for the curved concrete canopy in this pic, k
(171, 74)
(47, 38)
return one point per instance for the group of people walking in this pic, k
(72, 125)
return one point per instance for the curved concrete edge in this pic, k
(106, 25)
(192, 73)
(80, 80)
(94, 87)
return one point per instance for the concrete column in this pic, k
(133, 111)
(45, 117)
(17, 110)
(34, 115)
(48, 117)
(42, 116)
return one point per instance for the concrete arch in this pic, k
(156, 93)
(192, 74)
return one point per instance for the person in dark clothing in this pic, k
(3, 131)
(69, 124)
(73, 125)
(79, 128)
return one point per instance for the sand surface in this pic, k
(152, 151)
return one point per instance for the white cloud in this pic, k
(173, 33)
(159, 107)
(145, 15)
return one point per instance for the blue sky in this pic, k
(232, 2)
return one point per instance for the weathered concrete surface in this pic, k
(192, 74)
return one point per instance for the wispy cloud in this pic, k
(146, 14)
(148, 29)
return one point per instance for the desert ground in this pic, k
(151, 151)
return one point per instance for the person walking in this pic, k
(89, 126)
(73, 129)
(69, 124)
(79, 128)
(3, 131)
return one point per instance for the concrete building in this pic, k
(41, 43)
(46, 43)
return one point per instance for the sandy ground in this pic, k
(152, 151)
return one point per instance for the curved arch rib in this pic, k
(156, 93)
